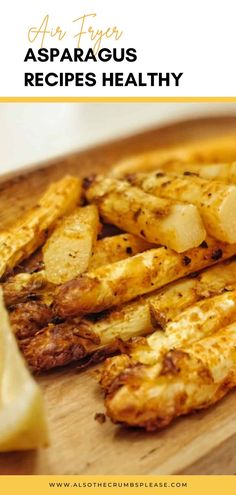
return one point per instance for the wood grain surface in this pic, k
(203, 443)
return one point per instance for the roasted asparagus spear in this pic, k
(158, 220)
(22, 286)
(216, 201)
(184, 379)
(225, 172)
(31, 230)
(194, 323)
(222, 149)
(112, 329)
(120, 282)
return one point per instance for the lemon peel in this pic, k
(22, 416)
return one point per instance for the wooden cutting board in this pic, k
(203, 443)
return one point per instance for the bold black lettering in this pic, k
(66, 56)
(131, 55)
(43, 55)
(54, 53)
(79, 79)
(39, 79)
(90, 56)
(48, 79)
(177, 77)
(152, 76)
(68, 78)
(119, 79)
(131, 80)
(164, 79)
(30, 55)
(78, 55)
(90, 79)
(29, 78)
(117, 58)
(107, 78)
(104, 55)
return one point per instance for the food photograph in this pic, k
(118, 288)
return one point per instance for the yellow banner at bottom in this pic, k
(114, 485)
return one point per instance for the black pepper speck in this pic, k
(217, 254)
(186, 260)
(129, 250)
(204, 245)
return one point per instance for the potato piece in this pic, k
(213, 150)
(31, 230)
(116, 248)
(216, 201)
(186, 379)
(68, 250)
(89, 341)
(122, 281)
(159, 221)
(225, 172)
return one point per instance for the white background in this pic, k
(30, 133)
(197, 38)
(194, 37)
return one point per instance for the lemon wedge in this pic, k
(22, 418)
